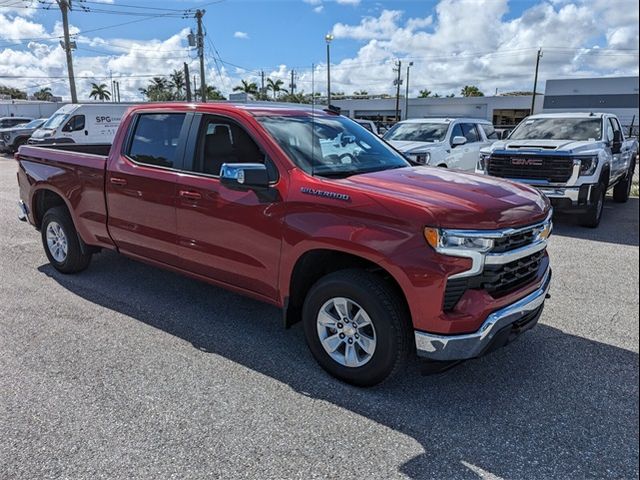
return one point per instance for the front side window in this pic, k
(470, 132)
(489, 131)
(417, 132)
(74, 124)
(224, 141)
(331, 146)
(155, 139)
(577, 129)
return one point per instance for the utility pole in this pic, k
(406, 95)
(292, 85)
(187, 82)
(263, 92)
(398, 82)
(328, 38)
(65, 6)
(535, 80)
(195, 89)
(118, 90)
(200, 41)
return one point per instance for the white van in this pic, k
(89, 124)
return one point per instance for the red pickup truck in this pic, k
(306, 210)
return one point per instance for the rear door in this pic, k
(141, 186)
(231, 236)
(619, 160)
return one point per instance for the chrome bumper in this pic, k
(572, 193)
(462, 347)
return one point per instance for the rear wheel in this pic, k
(622, 190)
(61, 242)
(356, 327)
(592, 217)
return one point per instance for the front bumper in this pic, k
(569, 198)
(501, 326)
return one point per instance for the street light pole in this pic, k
(65, 6)
(406, 95)
(328, 38)
(535, 81)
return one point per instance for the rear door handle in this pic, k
(189, 195)
(121, 182)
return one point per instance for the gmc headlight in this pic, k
(423, 158)
(443, 241)
(588, 166)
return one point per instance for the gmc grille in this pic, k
(554, 169)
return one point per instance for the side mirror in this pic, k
(616, 145)
(458, 140)
(244, 176)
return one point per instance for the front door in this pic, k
(230, 236)
(141, 188)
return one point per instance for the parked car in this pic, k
(573, 158)
(368, 124)
(12, 138)
(10, 122)
(442, 142)
(89, 124)
(377, 258)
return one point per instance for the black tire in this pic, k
(622, 190)
(591, 219)
(388, 315)
(74, 260)
(18, 143)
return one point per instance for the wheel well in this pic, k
(43, 201)
(604, 178)
(443, 165)
(314, 265)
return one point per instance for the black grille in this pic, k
(512, 242)
(550, 168)
(498, 280)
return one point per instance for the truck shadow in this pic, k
(551, 395)
(619, 224)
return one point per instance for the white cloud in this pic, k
(348, 2)
(241, 35)
(318, 9)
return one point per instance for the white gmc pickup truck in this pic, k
(573, 158)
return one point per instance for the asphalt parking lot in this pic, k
(127, 371)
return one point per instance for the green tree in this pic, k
(471, 91)
(13, 93)
(100, 92)
(424, 93)
(360, 93)
(214, 94)
(177, 83)
(451, 95)
(276, 87)
(158, 90)
(247, 87)
(43, 94)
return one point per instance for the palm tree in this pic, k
(43, 94)
(177, 83)
(246, 87)
(158, 90)
(424, 93)
(100, 92)
(471, 91)
(275, 87)
(213, 93)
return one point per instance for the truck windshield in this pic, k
(331, 146)
(417, 132)
(578, 129)
(55, 121)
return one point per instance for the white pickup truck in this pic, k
(442, 142)
(573, 158)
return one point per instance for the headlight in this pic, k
(442, 240)
(423, 158)
(588, 166)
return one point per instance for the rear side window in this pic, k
(489, 131)
(155, 139)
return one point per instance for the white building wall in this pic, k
(25, 108)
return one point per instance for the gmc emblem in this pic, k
(527, 162)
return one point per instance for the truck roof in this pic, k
(255, 108)
(445, 120)
(570, 115)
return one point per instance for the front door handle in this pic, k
(120, 182)
(189, 195)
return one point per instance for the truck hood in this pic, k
(542, 146)
(458, 200)
(405, 146)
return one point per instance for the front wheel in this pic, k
(592, 217)
(356, 327)
(61, 242)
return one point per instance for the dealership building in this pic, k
(617, 95)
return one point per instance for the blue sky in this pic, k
(490, 43)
